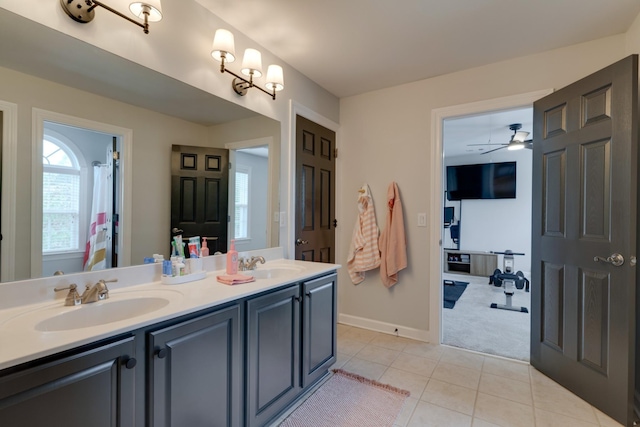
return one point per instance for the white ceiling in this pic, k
(490, 128)
(355, 46)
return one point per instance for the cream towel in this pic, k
(364, 254)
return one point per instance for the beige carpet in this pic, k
(346, 400)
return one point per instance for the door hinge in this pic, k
(335, 153)
(116, 155)
(335, 223)
(230, 165)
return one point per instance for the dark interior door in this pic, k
(315, 192)
(199, 194)
(583, 317)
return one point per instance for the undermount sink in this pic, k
(100, 313)
(273, 272)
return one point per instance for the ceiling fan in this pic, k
(517, 141)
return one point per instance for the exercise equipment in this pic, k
(510, 281)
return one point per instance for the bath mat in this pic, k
(349, 400)
(452, 292)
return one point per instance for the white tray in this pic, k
(199, 275)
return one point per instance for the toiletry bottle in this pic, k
(232, 259)
(204, 249)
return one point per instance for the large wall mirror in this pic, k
(156, 111)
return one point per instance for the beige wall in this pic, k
(386, 136)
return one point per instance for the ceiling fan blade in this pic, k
(469, 145)
(520, 136)
(495, 149)
(528, 144)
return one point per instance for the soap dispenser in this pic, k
(204, 248)
(232, 259)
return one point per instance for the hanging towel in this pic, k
(393, 246)
(364, 253)
(96, 248)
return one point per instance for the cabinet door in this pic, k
(273, 353)
(319, 328)
(195, 371)
(92, 388)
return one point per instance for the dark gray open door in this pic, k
(315, 192)
(583, 317)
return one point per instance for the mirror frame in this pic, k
(39, 116)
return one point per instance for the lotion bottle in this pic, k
(232, 259)
(204, 249)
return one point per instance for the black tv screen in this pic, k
(482, 181)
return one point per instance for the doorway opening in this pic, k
(486, 211)
(79, 214)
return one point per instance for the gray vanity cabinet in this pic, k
(319, 327)
(196, 372)
(291, 344)
(273, 353)
(93, 388)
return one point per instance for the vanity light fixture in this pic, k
(83, 11)
(223, 50)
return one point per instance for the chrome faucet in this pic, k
(250, 264)
(97, 292)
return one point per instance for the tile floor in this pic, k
(457, 388)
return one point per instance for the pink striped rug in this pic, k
(346, 400)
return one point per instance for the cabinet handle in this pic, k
(298, 298)
(162, 353)
(130, 363)
(308, 294)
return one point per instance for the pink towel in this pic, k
(235, 279)
(393, 246)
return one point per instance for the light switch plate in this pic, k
(422, 219)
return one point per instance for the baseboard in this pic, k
(387, 328)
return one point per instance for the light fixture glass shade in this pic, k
(252, 61)
(515, 145)
(154, 7)
(223, 42)
(275, 78)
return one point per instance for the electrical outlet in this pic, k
(283, 219)
(422, 219)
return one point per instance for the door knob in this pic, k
(176, 230)
(614, 259)
(301, 242)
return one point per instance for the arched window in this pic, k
(60, 197)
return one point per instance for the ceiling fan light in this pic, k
(515, 145)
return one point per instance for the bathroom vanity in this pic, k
(213, 355)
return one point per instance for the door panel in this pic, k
(584, 205)
(315, 192)
(199, 194)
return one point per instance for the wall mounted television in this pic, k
(482, 181)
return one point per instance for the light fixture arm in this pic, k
(83, 11)
(145, 11)
(241, 86)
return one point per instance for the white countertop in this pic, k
(21, 342)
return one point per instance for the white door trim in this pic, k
(438, 115)
(288, 184)
(39, 116)
(9, 185)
